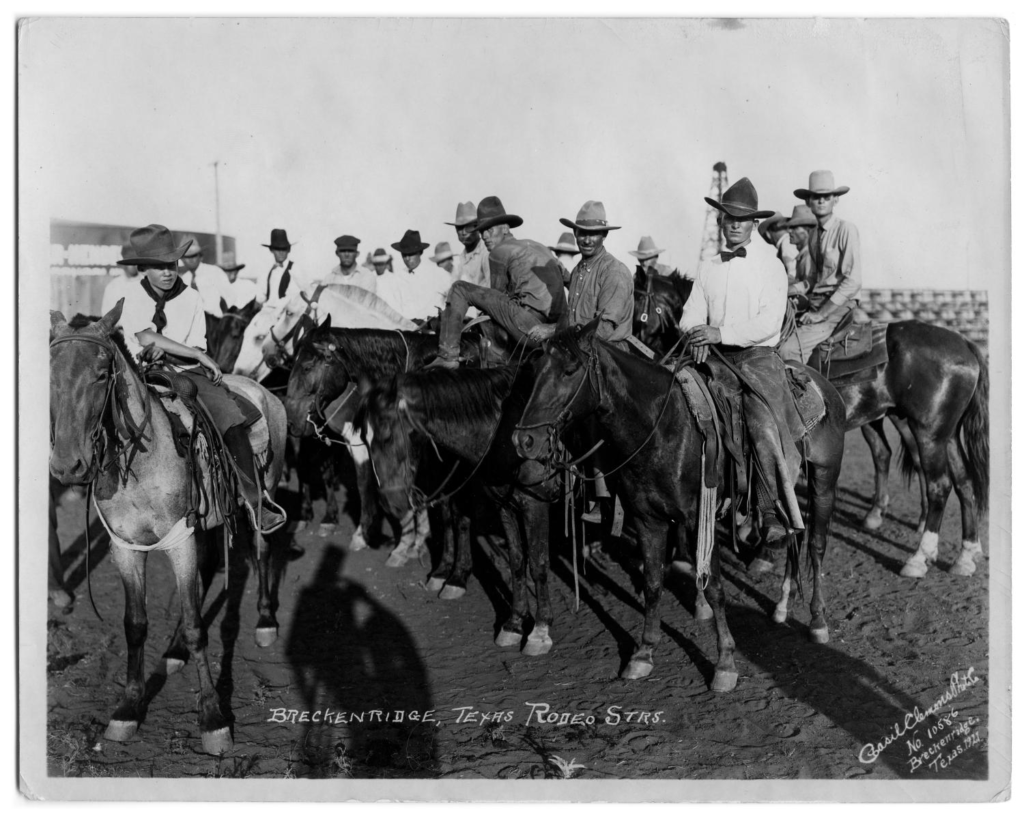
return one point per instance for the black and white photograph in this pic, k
(587, 409)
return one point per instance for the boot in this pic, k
(446, 357)
(772, 530)
(236, 440)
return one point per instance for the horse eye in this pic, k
(261, 336)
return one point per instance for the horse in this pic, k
(657, 306)
(934, 388)
(471, 413)
(224, 333)
(109, 430)
(641, 414)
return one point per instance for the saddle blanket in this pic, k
(810, 403)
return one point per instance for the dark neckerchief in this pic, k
(159, 316)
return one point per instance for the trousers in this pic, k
(800, 345)
(514, 318)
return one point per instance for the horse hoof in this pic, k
(703, 612)
(326, 529)
(435, 584)
(358, 542)
(963, 568)
(914, 569)
(452, 592)
(507, 639)
(60, 598)
(266, 636)
(395, 561)
(638, 669)
(724, 681)
(217, 743)
(120, 730)
(779, 615)
(819, 635)
(537, 648)
(759, 566)
(172, 665)
(873, 521)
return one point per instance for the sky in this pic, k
(371, 127)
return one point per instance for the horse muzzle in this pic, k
(533, 445)
(72, 470)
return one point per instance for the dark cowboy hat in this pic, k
(740, 201)
(410, 244)
(347, 242)
(776, 221)
(491, 212)
(279, 240)
(821, 183)
(153, 244)
(590, 217)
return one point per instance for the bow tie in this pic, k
(729, 254)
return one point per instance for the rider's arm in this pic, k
(848, 273)
(147, 337)
(615, 303)
(695, 311)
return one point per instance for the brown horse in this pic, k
(224, 333)
(110, 431)
(934, 388)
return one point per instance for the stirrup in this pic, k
(446, 363)
(274, 517)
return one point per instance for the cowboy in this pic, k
(239, 292)
(773, 231)
(163, 316)
(737, 304)
(565, 251)
(600, 286)
(206, 278)
(836, 255)
(526, 285)
(801, 228)
(443, 257)
(118, 286)
(273, 285)
(381, 262)
(647, 253)
(348, 271)
(471, 264)
(418, 292)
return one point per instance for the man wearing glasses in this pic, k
(835, 255)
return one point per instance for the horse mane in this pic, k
(369, 352)
(460, 398)
(80, 321)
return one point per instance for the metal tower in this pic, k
(711, 242)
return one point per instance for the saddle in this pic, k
(852, 353)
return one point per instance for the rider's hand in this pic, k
(151, 353)
(215, 373)
(812, 317)
(541, 332)
(700, 354)
(703, 335)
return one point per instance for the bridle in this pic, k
(281, 355)
(646, 297)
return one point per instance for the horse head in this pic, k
(658, 307)
(560, 394)
(230, 333)
(317, 377)
(387, 430)
(81, 384)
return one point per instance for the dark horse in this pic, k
(934, 388)
(110, 431)
(640, 412)
(224, 333)
(471, 413)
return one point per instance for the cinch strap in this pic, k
(179, 533)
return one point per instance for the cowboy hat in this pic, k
(774, 222)
(410, 244)
(802, 217)
(590, 217)
(153, 244)
(279, 240)
(442, 251)
(380, 256)
(195, 249)
(465, 214)
(491, 212)
(231, 268)
(646, 249)
(740, 201)
(821, 183)
(346, 242)
(566, 244)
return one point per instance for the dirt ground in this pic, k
(423, 692)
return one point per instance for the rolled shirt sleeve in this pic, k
(615, 304)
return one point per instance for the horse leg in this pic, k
(329, 476)
(414, 528)
(56, 590)
(964, 565)
(511, 633)
(781, 612)
(210, 548)
(366, 485)
(881, 454)
(726, 674)
(935, 462)
(822, 481)
(652, 536)
(266, 623)
(455, 585)
(214, 728)
(437, 576)
(536, 526)
(131, 565)
(911, 451)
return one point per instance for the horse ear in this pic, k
(587, 331)
(58, 324)
(326, 323)
(224, 305)
(109, 321)
(640, 278)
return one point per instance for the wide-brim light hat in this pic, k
(153, 244)
(194, 248)
(776, 221)
(646, 249)
(591, 217)
(821, 183)
(566, 244)
(802, 217)
(491, 212)
(380, 256)
(740, 202)
(231, 268)
(465, 214)
(279, 240)
(410, 244)
(442, 252)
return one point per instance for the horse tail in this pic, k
(974, 428)
(906, 462)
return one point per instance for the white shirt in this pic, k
(473, 267)
(212, 283)
(744, 297)
(186, 323)
(274, 275)
(240, 292)
(419, 294)
(359, 277)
